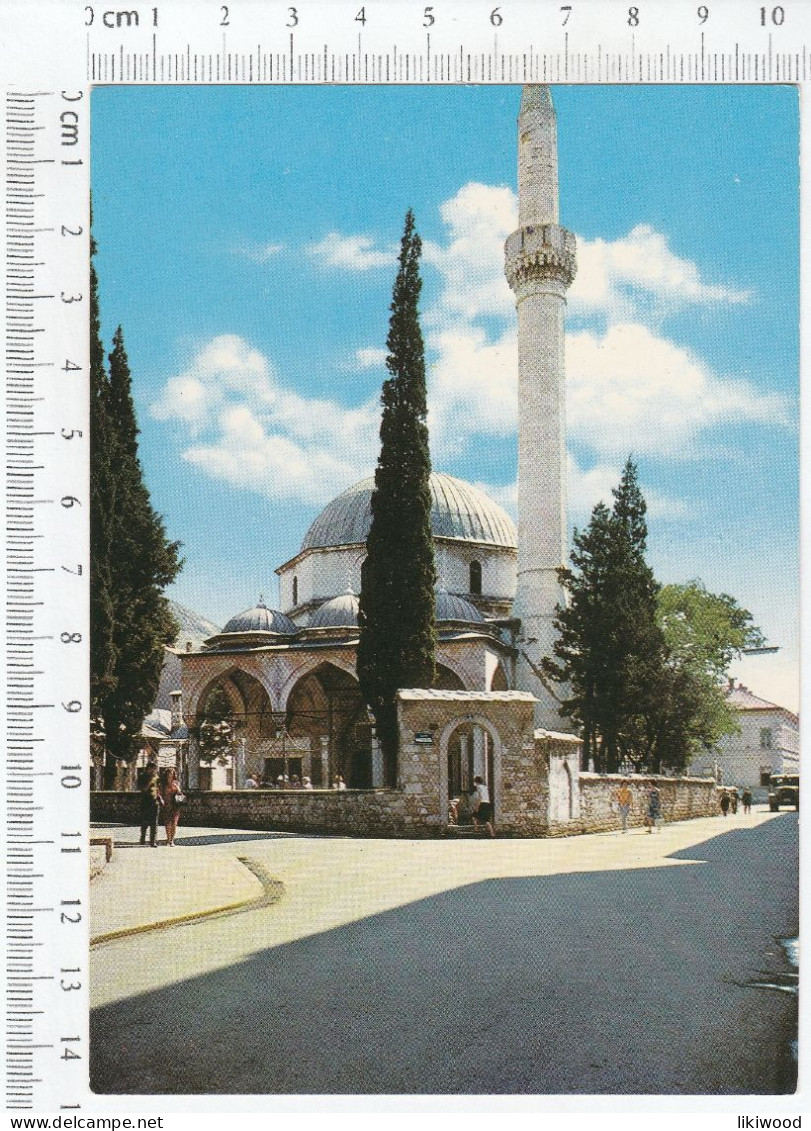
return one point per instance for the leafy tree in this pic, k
(703, 633)
(397, 604)
(215, 727)
(609, 651)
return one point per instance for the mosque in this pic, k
(290, 673)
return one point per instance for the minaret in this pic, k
(540, 266)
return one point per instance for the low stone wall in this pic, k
(682, 799)
(384, 813)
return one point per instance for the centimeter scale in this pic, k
(52, 55)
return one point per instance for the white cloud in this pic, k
(631, 390)
(260, 253)
(639, 274)
(371, 357)
(251, 431)
(352, 253)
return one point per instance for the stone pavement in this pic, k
(143, 888)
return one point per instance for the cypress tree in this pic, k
(102, 511)
(610, 649)
(397, 605)
(142, 562)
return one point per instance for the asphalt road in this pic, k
(631, 980)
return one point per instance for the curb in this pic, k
(272, 893)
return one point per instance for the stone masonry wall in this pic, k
(682, 799)
(384, 813)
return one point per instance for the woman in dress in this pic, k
(171, 806)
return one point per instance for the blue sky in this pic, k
(246, 244)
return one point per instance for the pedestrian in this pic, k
(339, 782)
(624, 801)
(173, 798)
(151, 802)
(747, 800)
(724, 802)
(250, 782)
(483, 813)
(733, 800)
(306, 783)
(654, 809)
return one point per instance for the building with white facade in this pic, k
(768, 742)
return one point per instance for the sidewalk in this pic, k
(142, 888)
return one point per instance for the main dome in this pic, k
(458, 510)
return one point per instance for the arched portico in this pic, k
(325, 707)
(248, 717)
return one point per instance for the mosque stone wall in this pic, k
(412, 810)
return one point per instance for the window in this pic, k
(765, 738)
(295, 590)
(476, 578)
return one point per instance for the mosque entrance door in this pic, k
(470, 755)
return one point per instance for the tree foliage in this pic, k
(131, 559)
(703, 633)
(216, 727)
(609, 651)
(645, 666)
(397, 604)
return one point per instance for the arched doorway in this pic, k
(326, 707)
(469, 753)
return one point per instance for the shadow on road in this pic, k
(621, 982)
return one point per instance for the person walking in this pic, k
(151, 802)
(173, 798)
(747, 800)
(654, 809)
(624, 801)
(724, 803)
(483, 813)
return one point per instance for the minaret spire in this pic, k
(540, 266)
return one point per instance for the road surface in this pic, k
(597, 964)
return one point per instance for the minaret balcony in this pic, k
(541, 253)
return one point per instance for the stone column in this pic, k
(194, 763)
(377, 763)
(324, 742)
(480, 753)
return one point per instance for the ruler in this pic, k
(52, 54)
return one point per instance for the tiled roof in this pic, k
(742, 699)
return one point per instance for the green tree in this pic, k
(216, 727)
(610, 650)
(102, 520)
(141, 562)
(397, 604)
(703, 632)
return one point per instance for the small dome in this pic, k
(451, 607)
(261, 619)
(339, 612)
(458, 510)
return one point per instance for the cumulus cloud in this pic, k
(371, 357)
(249, 430)
(260, 253)
(351, 253)
(639, 274)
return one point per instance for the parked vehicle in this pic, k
(784, 789)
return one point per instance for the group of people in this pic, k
(624, 801)
(728, 801)
(161, 799)
(473, 807)
(291, 782)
